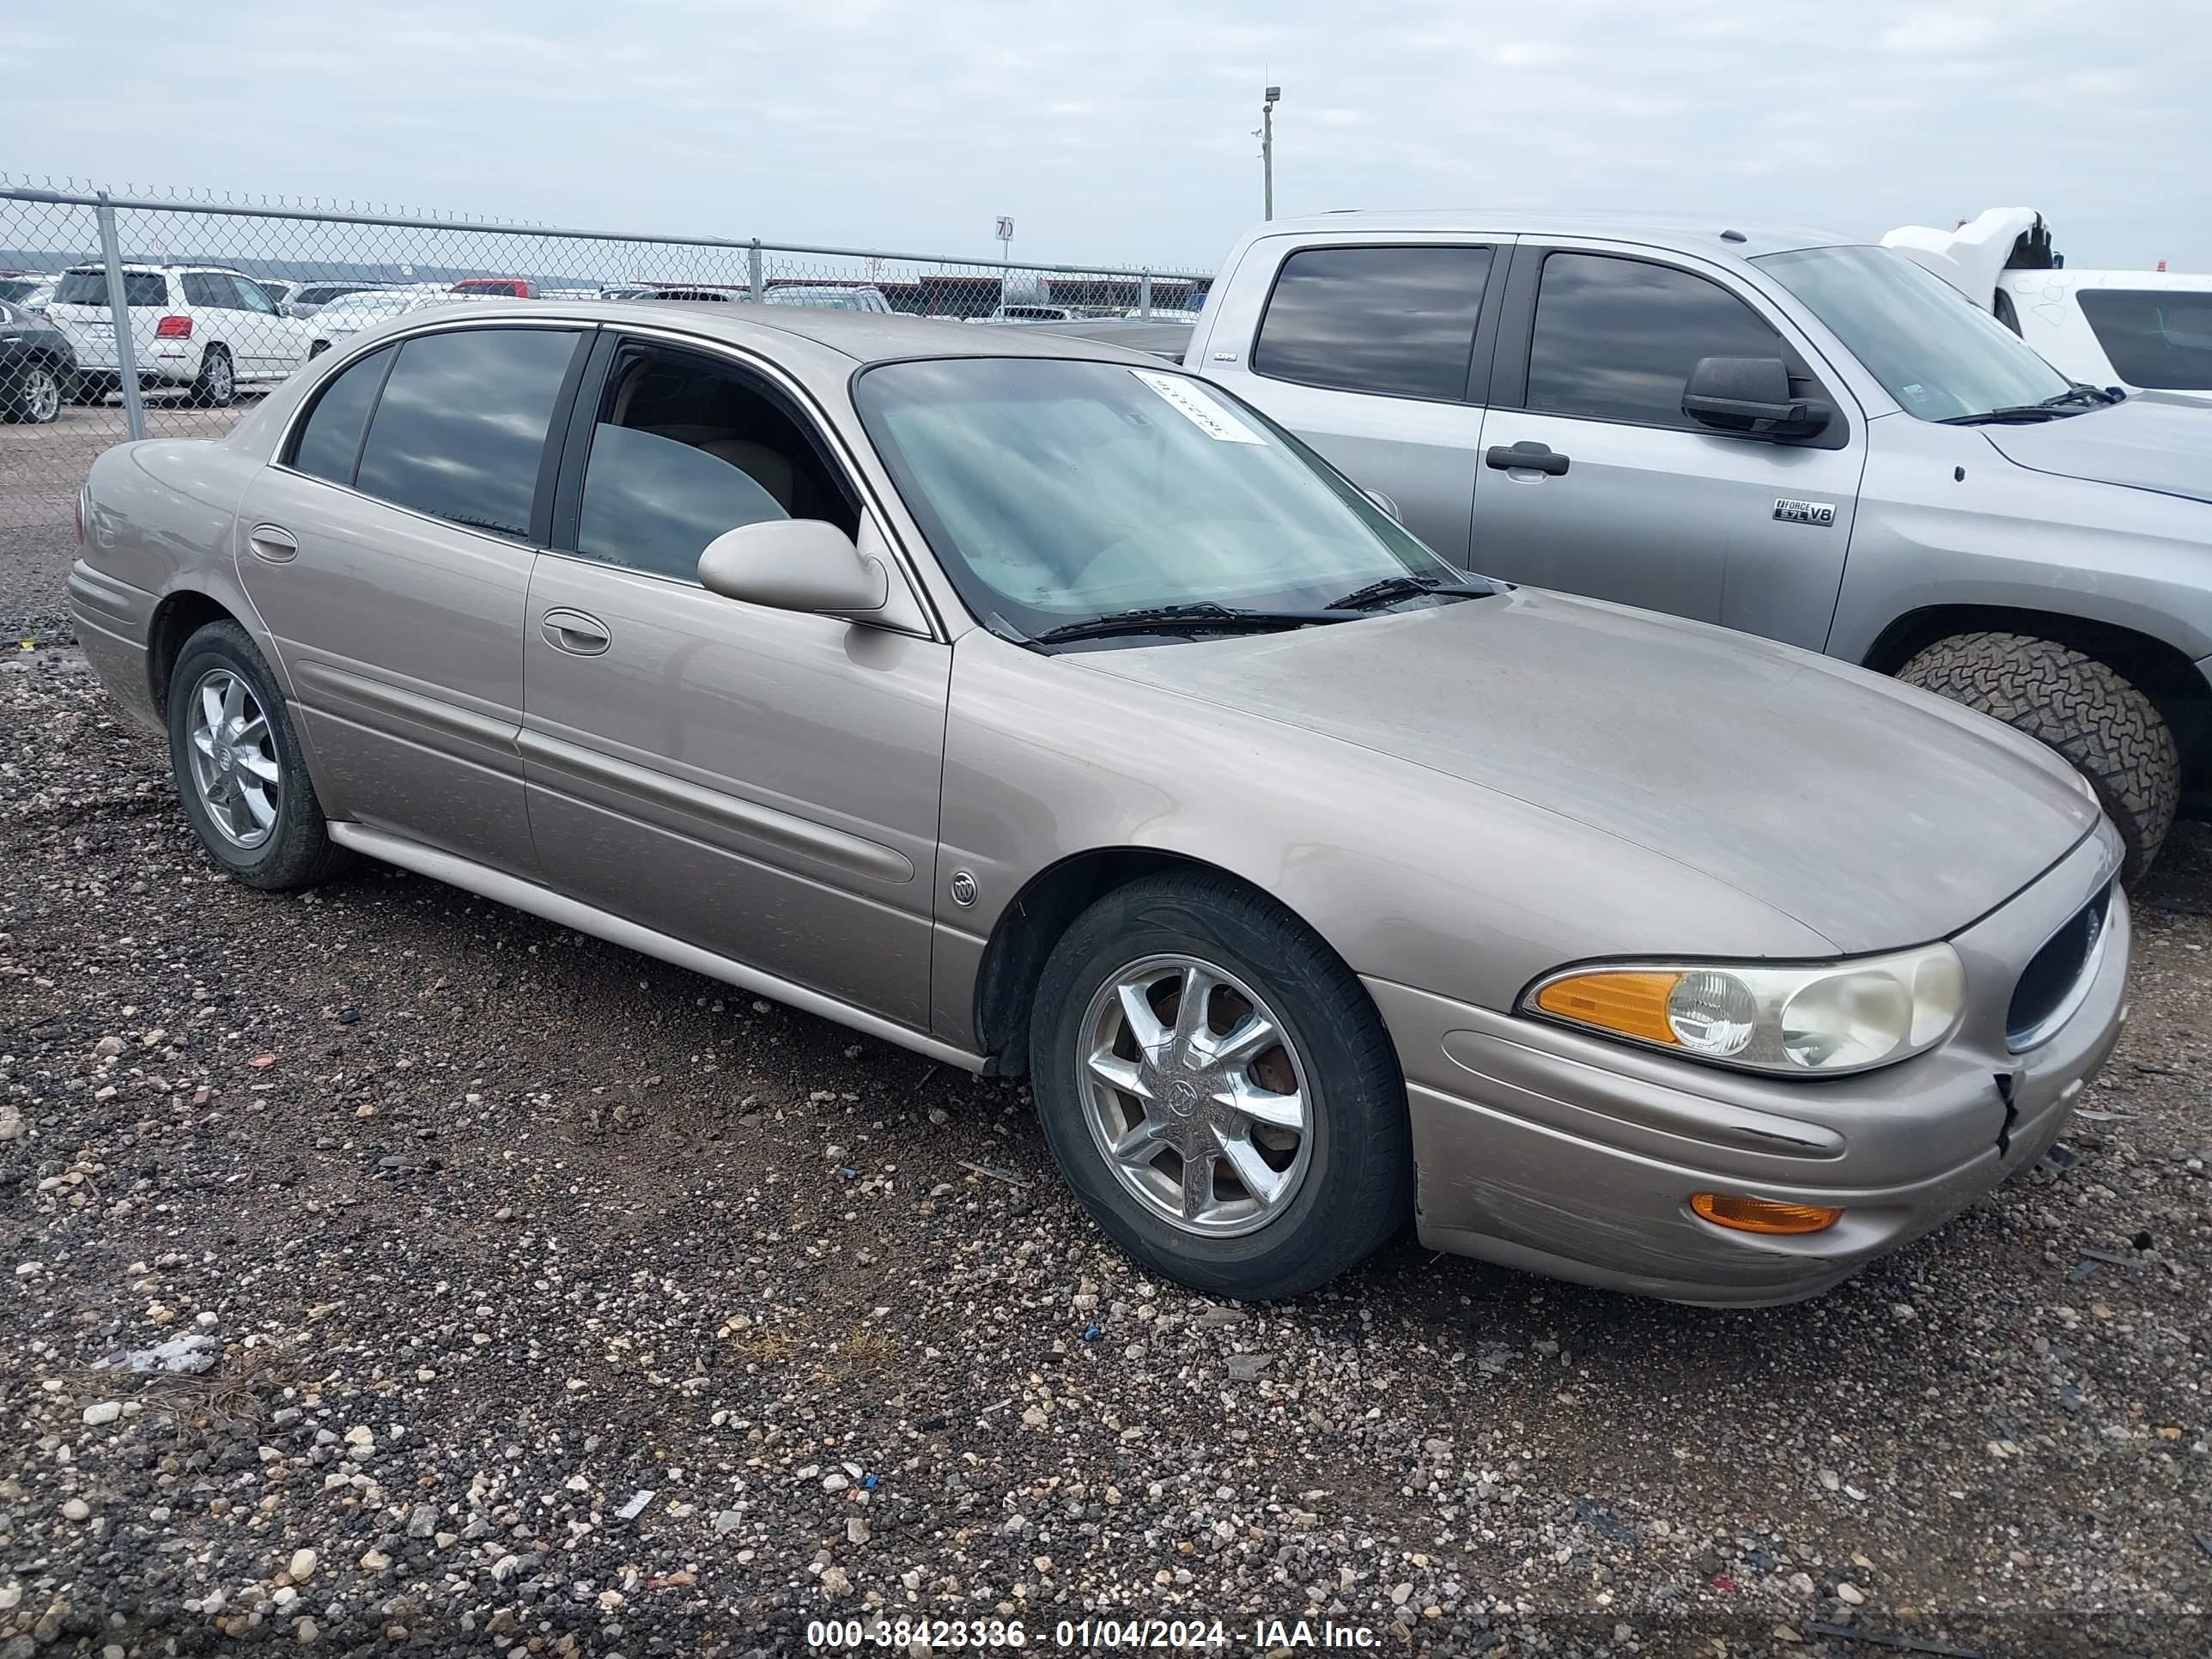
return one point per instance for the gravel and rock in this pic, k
(370, 1253)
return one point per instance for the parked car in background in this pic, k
(304, 300)
(16, 286)
(204, 329)
(830, 296)
(38, 366)
(38, 296)
(1045, 313)
(1093, 728)
(496, 288)
(1771, 430)
(350, 314)
(2142, 330)
(711, 291)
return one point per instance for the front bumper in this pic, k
(1566, 1154)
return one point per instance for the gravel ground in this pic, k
(483, 1231)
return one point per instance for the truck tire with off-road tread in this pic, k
(2093, 715)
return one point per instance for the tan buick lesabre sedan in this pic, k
(1036, 706)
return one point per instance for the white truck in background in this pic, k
(2142, 330)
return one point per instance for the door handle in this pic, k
(573, 631)
(273, 541)
(1537, 457)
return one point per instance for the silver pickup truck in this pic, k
(1770, 429)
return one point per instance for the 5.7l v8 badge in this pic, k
(1791, 512)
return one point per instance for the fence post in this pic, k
(1145, 296)
(118, 312)
(753, 271)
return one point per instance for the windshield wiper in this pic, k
(1391, 589)
(2057, 407)
(1206, 617)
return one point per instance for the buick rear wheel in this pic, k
(238, 768)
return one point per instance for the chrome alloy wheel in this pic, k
(234, 754)
(41, 397)
(1195, 1096)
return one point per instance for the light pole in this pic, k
(1267, 153)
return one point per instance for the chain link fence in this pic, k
(224, 298)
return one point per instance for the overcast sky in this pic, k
(1118, 130)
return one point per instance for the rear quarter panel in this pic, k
(160, 520)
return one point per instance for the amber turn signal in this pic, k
(1629, 1001)
(1762, 1215)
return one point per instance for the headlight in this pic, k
(1827, 1018)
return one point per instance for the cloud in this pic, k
(1111, 136)
(1940, 33)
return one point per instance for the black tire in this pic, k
(215, 386)
(86, 389)
(33, 396)
(298, 852)
(2093, 716)
(1358, 1187)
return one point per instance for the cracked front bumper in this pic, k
(1566, 1154)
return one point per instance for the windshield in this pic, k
(1058, 491)
(1937, 353)
(16, 288)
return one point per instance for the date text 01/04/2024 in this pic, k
(1106, 1634)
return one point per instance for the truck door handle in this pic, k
(273, 541)
(579, 635)
(1537, 457)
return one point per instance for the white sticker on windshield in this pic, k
(1200, 408)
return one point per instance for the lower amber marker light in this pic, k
(1763, 1215)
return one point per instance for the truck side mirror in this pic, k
(1751, 397)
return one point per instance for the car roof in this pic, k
(863, 337)
(1683, 233)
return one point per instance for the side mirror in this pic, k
(1382, 502)
(1751, 397)
(794, 564)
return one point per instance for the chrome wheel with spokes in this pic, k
(1196, 1095)
(37, 397)
(235, 770)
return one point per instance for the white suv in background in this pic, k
(2143, 331)
(204, 328)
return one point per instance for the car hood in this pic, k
(2154, 440)
(1872, 814)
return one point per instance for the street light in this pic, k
(1267, 152)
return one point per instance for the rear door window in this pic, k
(460, 432)
(252, 296)
(1615, 339)
(2161, 338)
(210, 290)
(330, 443)
(1399, 321)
